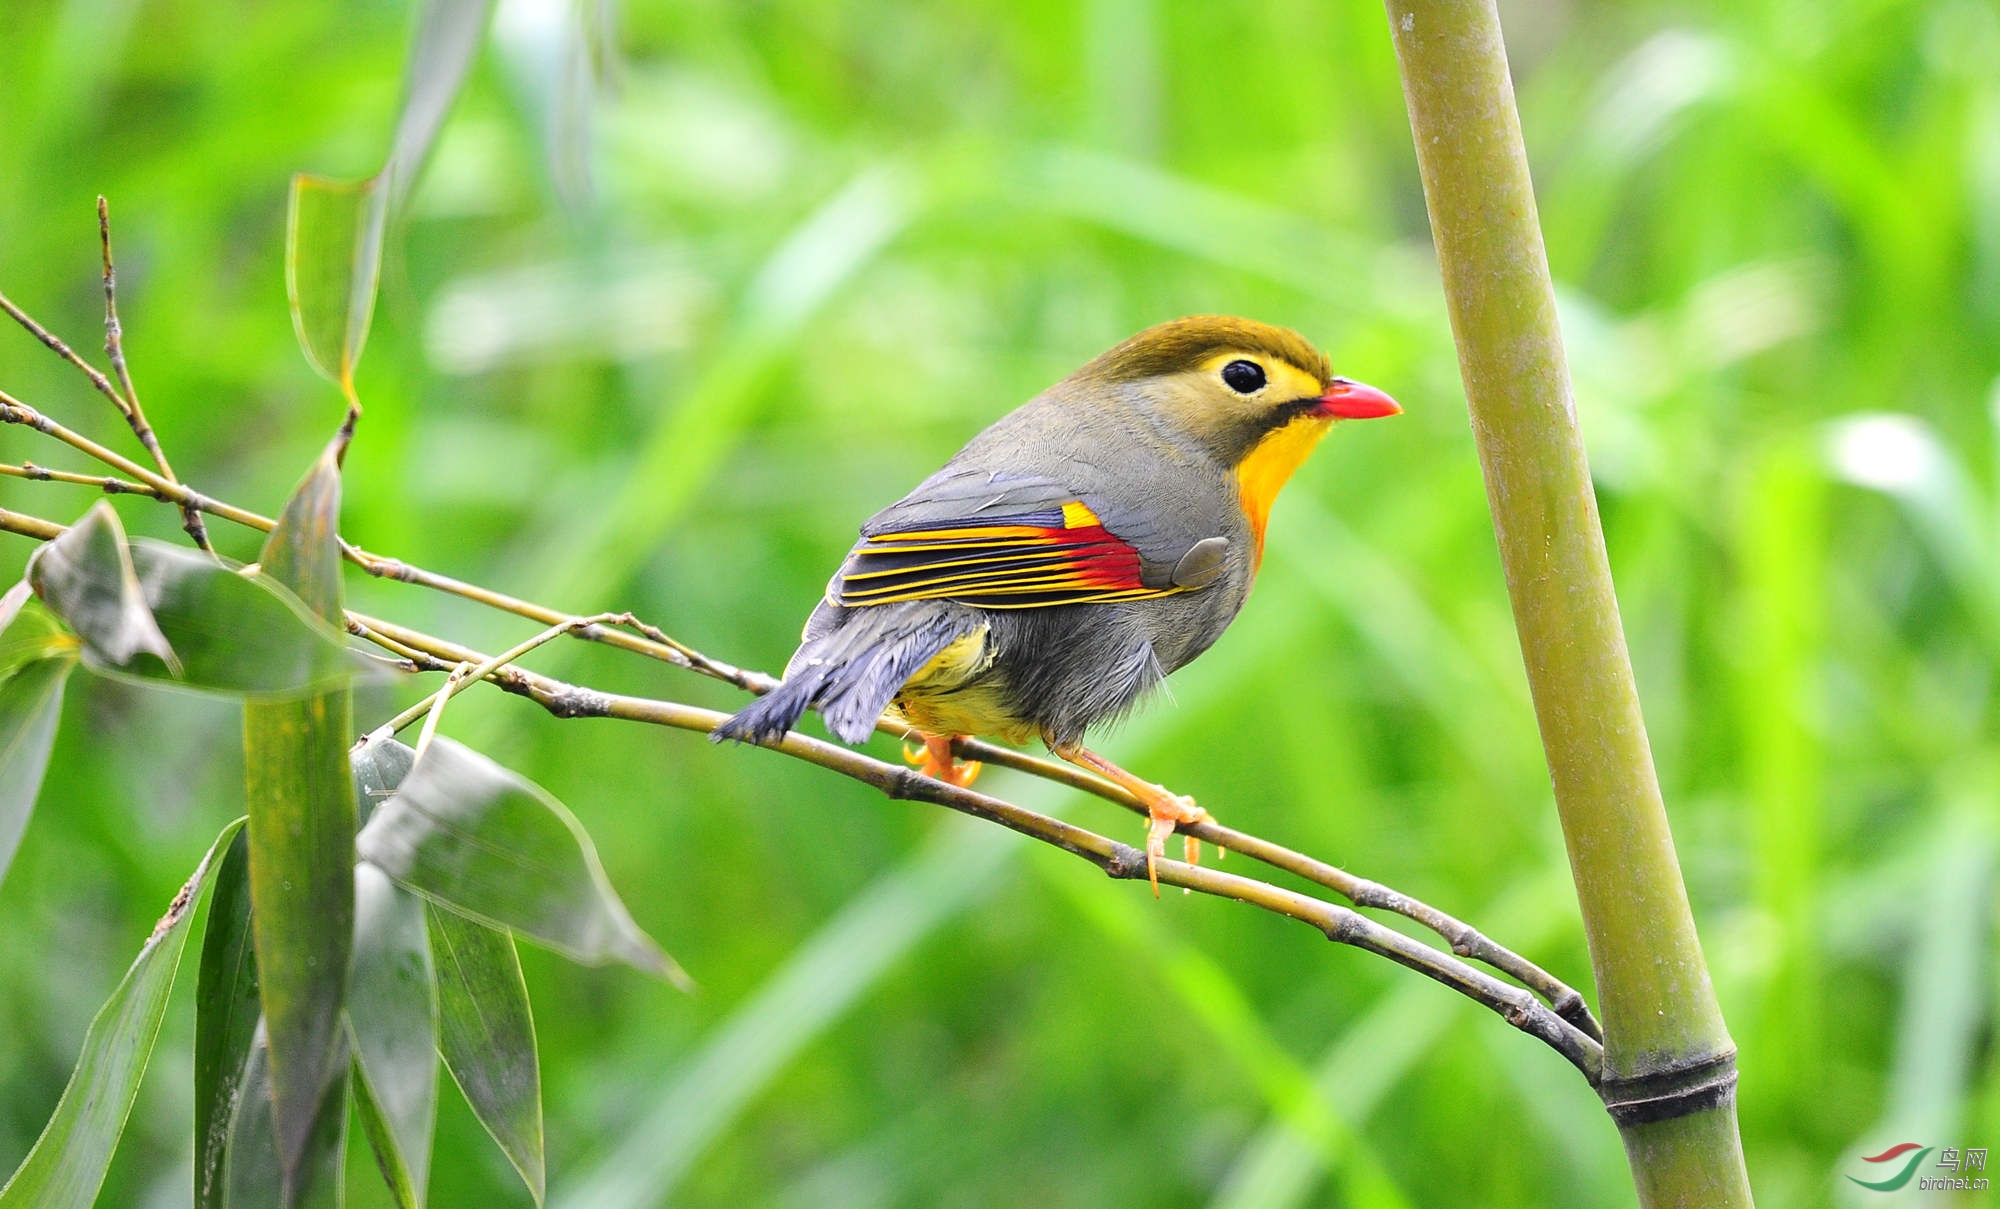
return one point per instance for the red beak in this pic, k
(1348, 400)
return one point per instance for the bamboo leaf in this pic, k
(237, 633)
(226, 1016)
(301, 800)
(487, 843)
(378, 769)
(168, 614)
(28, 631)
(11, 603)
(447, 38)
(333, 263)
(253, 1176)
(303, 553)
(87, 577)
(68, 1162)
(486, 1035)
(35, 661)
(392, 1017)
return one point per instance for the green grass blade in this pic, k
(487, 843)
(486, 1035)
(815, 986)
(301, 798)
(392, 1020)
(694, 438)
(1280, 1166)
(68, 1162)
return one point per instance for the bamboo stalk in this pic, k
(1669, 1073)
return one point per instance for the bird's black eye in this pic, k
(1244, 377)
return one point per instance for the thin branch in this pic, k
(466, 673)
(135, 415)
(55, 345)
(29, 526)
(104, 483)
(434, 713)
(1517, 1006)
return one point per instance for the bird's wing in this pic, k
(1013, 542)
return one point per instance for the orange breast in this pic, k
(1266, 469)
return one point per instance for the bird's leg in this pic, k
(934, 759)
(1164, 808)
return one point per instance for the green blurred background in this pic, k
(690, 288)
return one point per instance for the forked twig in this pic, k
(114, 349)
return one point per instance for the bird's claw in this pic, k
(1164, 813)
(934, 759)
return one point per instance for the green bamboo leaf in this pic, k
(333, 263)
(301, 800)
(67, 1164)
(237, 633)
(28, 631)
(303, 553)
(87, 577)
(10, 603)
(253, 1177)
(168, 614)
(36, 656)
(487, 843)
(378, 769)
(226, 1016)
(486, 1035)
(447, 38)
(392, 1020)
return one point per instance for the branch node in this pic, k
(575, 701)
(1691, 1085)
(904, 784)
(1342, 926)
(1126, 862)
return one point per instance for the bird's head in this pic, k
(1255, 397)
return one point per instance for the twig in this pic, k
(436, 703)
(466, 673)
(55, 344)
(104, 483)
(29, 526)
(135, 415)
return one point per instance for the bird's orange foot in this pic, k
(934, 759)
(1165, 810)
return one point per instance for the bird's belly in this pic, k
(956, 693)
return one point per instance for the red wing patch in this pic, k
(1028, 560)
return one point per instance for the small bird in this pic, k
(1069, 557)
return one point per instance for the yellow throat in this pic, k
(1268, 467)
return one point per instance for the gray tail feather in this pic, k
(851, 673)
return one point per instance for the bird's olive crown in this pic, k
(1227, 382)
(1186, 344)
